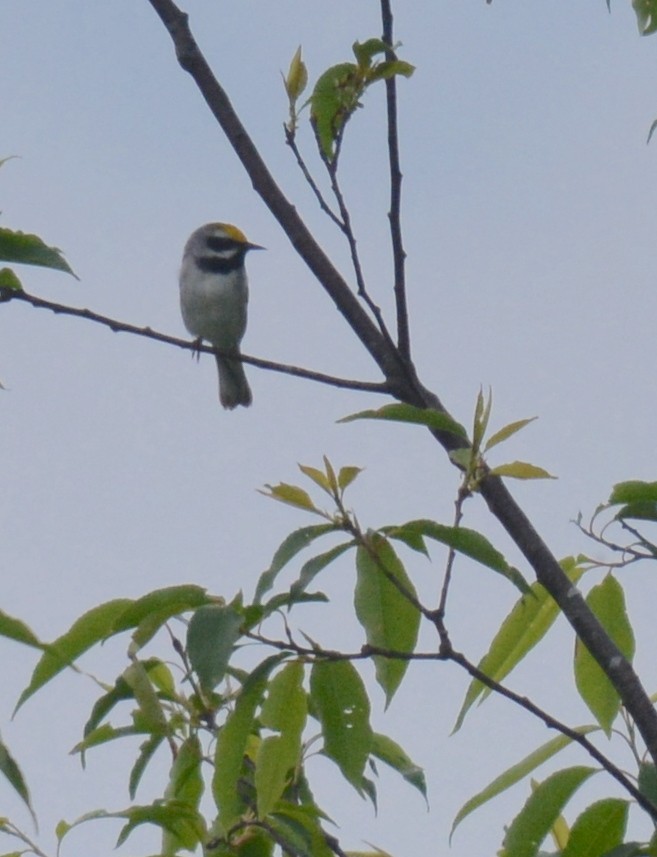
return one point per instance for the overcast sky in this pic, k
(529, 217)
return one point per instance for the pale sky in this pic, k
(529, 211)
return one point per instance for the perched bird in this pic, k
(214, 294)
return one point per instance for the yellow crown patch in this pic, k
(232, 232)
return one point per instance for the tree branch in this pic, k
(193, 346)
(394, 215)
(290, 139)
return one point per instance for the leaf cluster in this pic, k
(339, 90)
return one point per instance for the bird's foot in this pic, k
(196, 350)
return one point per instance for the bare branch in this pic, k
(398, 252)
(323, 204)
(332, 169)
(194, 346)
(451, 555)
(343, 222)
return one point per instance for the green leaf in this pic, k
(481, 417)
(312, 567)
(340, 702)
(9, 280)
(646, 16)
(334, 99)
(232, 743)
(150, 707)
(607, 601)
(284, 599)
(211, 636)
(317, 477)
(174, 816)
(468, 542)
(291, 546)
(161, 677)
(387, 69)
(516, 773)
(103, 735)
(255, 843)
(146, 752)
(13, 774)
(332, 478)
(177, 818)
(633, 492)
(162, 604)
(367, 50)
(400, 413)
(411, 537)
(298, 827)
(377, 852)
(598, 829)
(91, 628)
(391, 621)
(347, 475)
(521, 470)
(388, 751)
(527, 623)
(292, 495)
(29, 249)
(104, 704)
(297, 77)
(285, 711)
(15, 629)
(530, 827)
(185, 786)
(642, 510)
(648, 781)
(506, 432)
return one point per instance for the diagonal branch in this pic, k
(394, 215)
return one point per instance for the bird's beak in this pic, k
(250, 246)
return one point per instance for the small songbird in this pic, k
(214, 294)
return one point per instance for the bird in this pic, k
(214, 294)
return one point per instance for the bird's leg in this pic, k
(196, 350)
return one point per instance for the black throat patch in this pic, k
(217, 265)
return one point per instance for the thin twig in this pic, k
(148, 333)
(347, 229)
(12, 830)
(394, 215)
(323, 204)
(451, 555)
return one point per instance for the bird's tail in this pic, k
(234, 389)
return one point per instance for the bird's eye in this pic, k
(218, 244)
